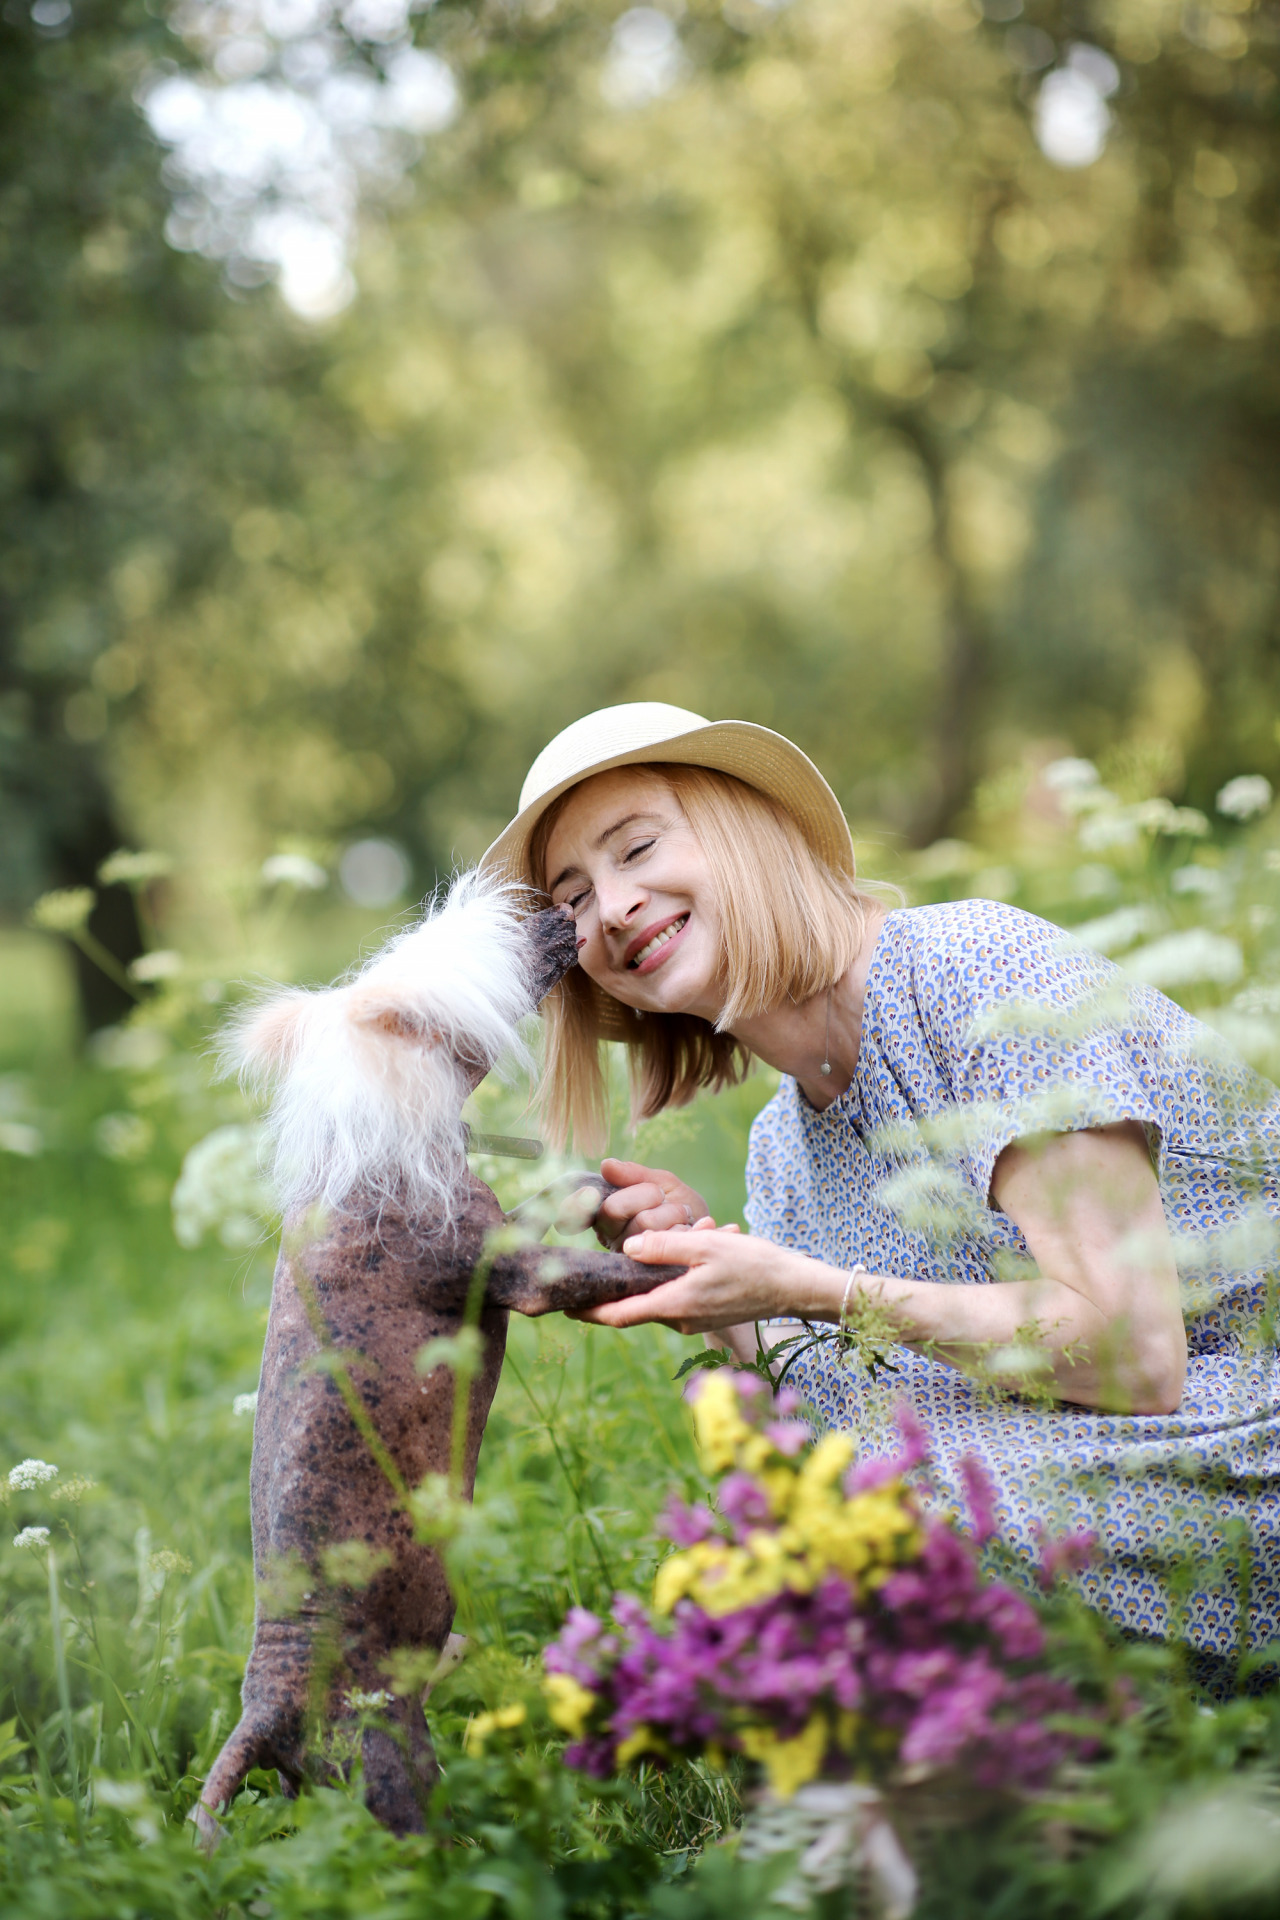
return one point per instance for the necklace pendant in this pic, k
(825, 1068)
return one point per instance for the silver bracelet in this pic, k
(857, 1268)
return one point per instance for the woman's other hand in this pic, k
(648, 1199)
(732, 1281)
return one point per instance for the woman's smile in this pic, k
(650, 948)
(623, 856)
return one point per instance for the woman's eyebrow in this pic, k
(627, 820)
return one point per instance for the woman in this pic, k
(967, 1097)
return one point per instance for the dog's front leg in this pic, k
(535, 1280)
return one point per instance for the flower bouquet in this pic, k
(818, 1621)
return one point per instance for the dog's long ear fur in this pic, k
(369, 1076)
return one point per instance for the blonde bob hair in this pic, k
(791, 927)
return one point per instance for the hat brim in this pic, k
(763, 759)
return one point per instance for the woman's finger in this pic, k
(627, 1202)
(681, 1246)
(660, 1219)
(664, 1305)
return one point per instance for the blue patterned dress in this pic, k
(982, 1025)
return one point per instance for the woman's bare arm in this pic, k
(1104, 1309)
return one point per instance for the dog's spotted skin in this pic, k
(373, 1291)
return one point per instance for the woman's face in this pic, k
(624, 857)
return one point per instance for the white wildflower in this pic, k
(1070, 776)
(1094, 882)
(1114, 931)
(944, 860)
(163, 964)
(31, 1539)
(1263, 996)
(16, 1137)
(64, 911)
(1182, 958)
(1205, 881)
(123, 1136)
(358, 1701)
(133, 869)
(222, 1189)
(1243, 798)
(73, 1490)
(244, 1403)
(124, 1795)
(994, 883)
(1108, 827)
(168, 1560)
(1161, 816)
(133, 1049)
(29, 1474)
(294, 870)
(1185, 820)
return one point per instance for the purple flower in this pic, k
(583, 1649)
(915, 1440)
(788, 1436)
(685, 1524)
(1069, 1553)
(743, 1501)
(867, 1475)
(980, 1497)
(594, 1756)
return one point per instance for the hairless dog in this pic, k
(346, 1425)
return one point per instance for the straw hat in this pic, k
(647, 731)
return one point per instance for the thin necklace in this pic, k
(825, 1068)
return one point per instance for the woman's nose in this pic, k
(618, 901)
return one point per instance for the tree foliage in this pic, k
(769, 365)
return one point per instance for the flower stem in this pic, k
(64, 1689)
(105, 961)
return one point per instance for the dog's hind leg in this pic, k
(400, 1770)
(259, 1740)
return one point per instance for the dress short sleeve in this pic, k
(1030, 1032)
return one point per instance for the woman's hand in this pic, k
(647, 1197)
(732, 1280)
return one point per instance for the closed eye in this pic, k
(633, 853)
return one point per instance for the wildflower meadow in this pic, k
(672, 1592)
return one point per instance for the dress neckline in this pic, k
(843, 1102)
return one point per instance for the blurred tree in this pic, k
(95, 315)
(896, 374)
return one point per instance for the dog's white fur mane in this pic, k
(366, 1077)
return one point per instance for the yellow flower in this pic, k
(722, 1578)
(846, 1730)
(640, 1740)
(788, 1763)
(827, 1462)
(500, 1720)
(861, 1537)
(568, 1703)
(717, 1424)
